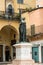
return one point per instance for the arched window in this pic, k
(10, 10)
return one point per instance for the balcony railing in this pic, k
(15, 16)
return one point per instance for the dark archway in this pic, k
(9, 37)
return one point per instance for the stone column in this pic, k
(4, 52)
(12, 53)
(40, 60)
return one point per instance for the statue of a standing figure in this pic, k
(22, 31)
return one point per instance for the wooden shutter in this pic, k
(32, 29)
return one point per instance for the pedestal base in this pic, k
(23, 51)
(23, 62)
(23, 54)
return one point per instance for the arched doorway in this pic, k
(9, 37)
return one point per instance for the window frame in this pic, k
(20, 1)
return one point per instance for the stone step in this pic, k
(23, 62)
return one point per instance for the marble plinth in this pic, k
(23, 54)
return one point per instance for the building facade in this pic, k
(36, 28)
(17, 4)
(39, 3)
(9, 28)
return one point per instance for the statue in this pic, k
(22, 31)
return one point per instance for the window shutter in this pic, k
(32, 29)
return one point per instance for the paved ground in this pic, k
(20, 63)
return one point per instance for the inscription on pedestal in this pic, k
(23, 53)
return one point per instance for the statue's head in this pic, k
(22, 20)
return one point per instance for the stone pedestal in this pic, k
(23, 53)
